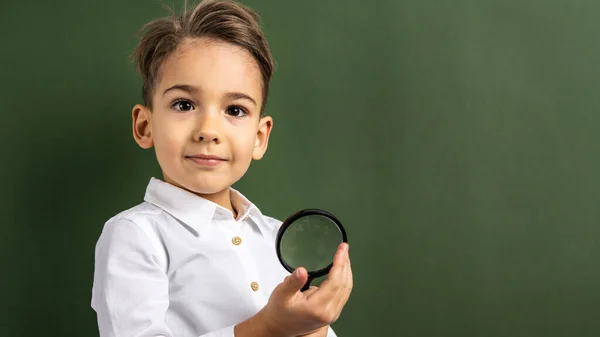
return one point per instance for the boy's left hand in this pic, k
(322, 332)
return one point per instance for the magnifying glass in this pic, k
(309, 238)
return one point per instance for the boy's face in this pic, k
(205, 124)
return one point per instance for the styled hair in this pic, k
(223, 20)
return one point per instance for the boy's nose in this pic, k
(209, 136)
(208, 129)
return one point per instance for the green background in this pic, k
(456, 140)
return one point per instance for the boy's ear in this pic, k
(265, 125)
(142, 126)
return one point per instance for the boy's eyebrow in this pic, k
(239, 95)
(193, 90)
(184, 87)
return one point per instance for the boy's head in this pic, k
(206, 77)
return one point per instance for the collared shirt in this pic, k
(179, 265)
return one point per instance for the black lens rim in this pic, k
(300, 214)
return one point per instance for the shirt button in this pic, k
(254, 286)
(236, 240)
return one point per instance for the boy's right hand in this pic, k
(291, 312)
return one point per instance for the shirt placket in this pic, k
(240, 240)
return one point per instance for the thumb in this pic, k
(294, 282)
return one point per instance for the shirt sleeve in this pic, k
(131, 291)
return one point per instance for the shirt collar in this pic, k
(197, 212)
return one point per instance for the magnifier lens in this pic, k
(310, 242)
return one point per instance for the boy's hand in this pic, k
(291, 312)
(321, 332)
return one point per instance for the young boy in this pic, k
(196, 258)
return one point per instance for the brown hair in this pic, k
(225, 20)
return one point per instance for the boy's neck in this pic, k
(222, 198)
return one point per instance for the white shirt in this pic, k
(179, 265)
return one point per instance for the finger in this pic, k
(337, 269)
(345, 279)
(294, 282)
(347, 272)
(330, 286)
(348, 283)
(350, 276)
(342, 293)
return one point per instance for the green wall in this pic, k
(456, 140)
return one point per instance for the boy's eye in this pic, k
(183, 105)
(236, 111)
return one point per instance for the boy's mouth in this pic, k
(206, 159)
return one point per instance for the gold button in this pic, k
(236, 240)
(254, 286)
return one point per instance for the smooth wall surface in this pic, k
(457, 141)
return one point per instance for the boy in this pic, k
(197, 258)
